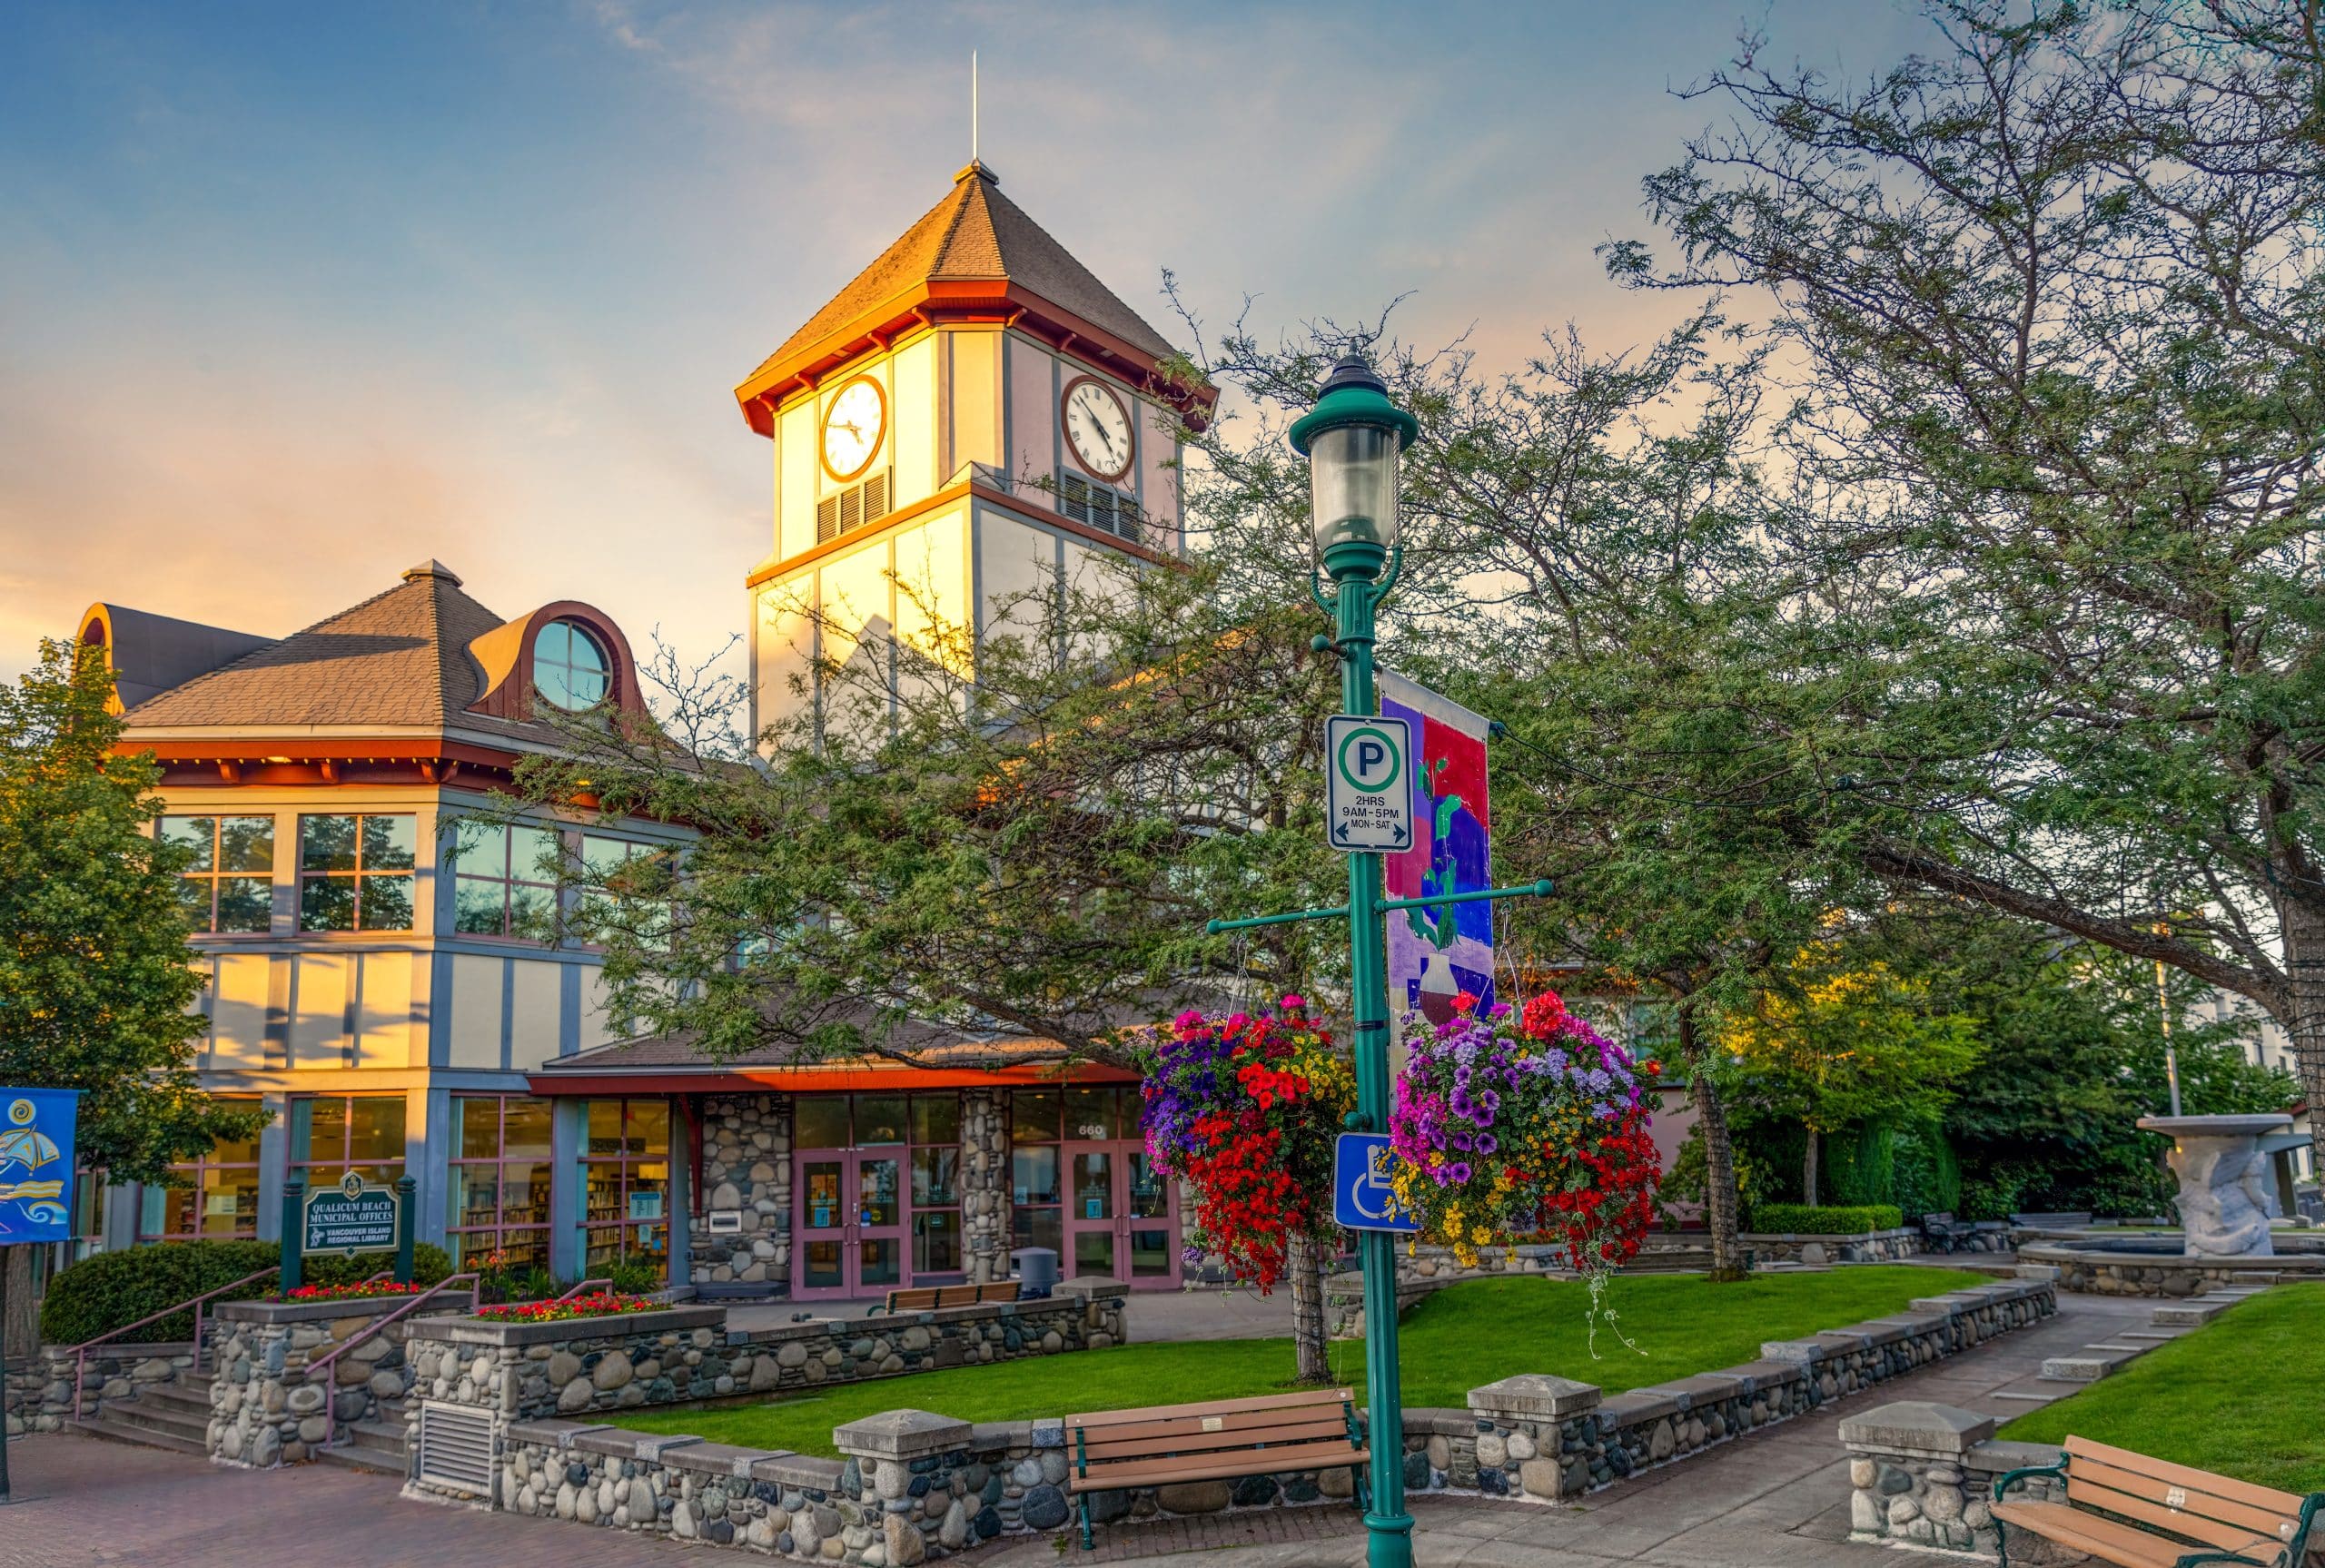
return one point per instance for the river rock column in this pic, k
(984, 1183)
(746, 1168)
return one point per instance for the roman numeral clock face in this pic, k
(1098, 429)
(853, 426)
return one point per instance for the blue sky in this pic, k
(293, 296)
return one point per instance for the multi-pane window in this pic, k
(213, 1199)
(333, 1134)
(614, 870)
(625, 1181)
(229, 885)
(504, 880)
(355, 873)
(570, 667)
(936, 1184)
(501, 1178)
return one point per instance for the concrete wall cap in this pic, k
(1919, 1426)
(1759, 1375)
(1536, 1393)
(901, 1434)
(710, 1459)
(985, 1436)
(803, 1471)
(1095, 1288)
(550, 1433)
(617, 1441)
(1800, 1352)
(1638, 1407)
(1995, 1457)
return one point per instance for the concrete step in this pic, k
(2189, 1314)
(366, 1459)
(380, 1436)
(145, 1436)
(188, 1423)
(2154, 1337)
(2089, 1365)
(169, 1396)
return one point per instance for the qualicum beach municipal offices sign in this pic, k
(351, 1217)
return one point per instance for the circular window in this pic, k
(570, 667)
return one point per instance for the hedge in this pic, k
(114, 1289)
(1801, 1220)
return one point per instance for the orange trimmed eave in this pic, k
(832, 1078)
(964, 300)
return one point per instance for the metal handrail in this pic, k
(330, 1404)
(578, 1286)
(81, 1351)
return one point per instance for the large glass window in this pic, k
(501, 1178)
(1036, 1195)
(570, 667)
(614, 871)
(625, 1181)
(504, 880)
(905, 1138)
(332, 1135)
(355, 873)
(229, 885)
(214, 1198)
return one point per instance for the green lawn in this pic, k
(2244, 1396)
(1452, 1342)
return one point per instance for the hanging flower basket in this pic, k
(1243, 1110)
(1527, 1130)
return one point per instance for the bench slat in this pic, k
(2119, 1544)
(1182, 1436)
(1335, 1398)
(1216, 1466)
(2120, 1491)
(2283, 1505)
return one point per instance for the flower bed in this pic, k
(596, 1304)
(360, 1290)
(1531, 1131)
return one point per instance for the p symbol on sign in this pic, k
(1370, 756)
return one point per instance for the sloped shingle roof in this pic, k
(975, 233)
(398, 659)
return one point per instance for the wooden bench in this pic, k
(2142, 1512)
(1165, 1445)
(929, 1297)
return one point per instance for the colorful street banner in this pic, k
(37, 1128)
(1434, 954)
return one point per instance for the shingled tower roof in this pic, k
(975, 246)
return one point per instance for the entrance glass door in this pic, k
(850, 1228)
(1092, 1213)
(1149, 1230)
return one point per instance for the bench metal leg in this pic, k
(1089, 1543)
(1360, 1491)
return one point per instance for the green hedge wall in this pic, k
(114, 1289)
(1799, 1218)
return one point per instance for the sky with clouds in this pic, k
(293, 296)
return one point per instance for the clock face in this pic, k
(853, 426)
(1098, 429)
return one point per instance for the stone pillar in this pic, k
(984, 1183)
(746, 1169)
(1924, 1475)
(891, 1452)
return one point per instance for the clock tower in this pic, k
(968, 423)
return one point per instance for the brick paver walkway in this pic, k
(1775, 1499)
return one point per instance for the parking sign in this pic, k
(1368, 784)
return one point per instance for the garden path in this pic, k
(1777, 1499)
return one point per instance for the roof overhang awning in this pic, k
(835, 1078)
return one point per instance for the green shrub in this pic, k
(1860, 1165)
(114, 1289)
(1929, 1176)
(1799, 1218)
(635, 1275)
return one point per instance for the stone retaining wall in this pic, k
(591, 1366)
(1818, 1248)
(1551, 1437)
(914, 1486)
(39, 1390)
(263, 1412)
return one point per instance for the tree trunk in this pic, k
(20, 1317)
(1809, 1172)
(2304, 931)
(1306, 1266)
(1721, 1201)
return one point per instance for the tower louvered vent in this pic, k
(1108, 510)
(858, 506)
(456, 1447)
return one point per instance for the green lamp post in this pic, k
(1352, 438)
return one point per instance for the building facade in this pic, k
(970, 423)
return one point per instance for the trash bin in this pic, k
(1036, 1272)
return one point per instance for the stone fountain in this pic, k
(2224, 1193)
